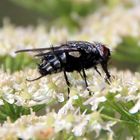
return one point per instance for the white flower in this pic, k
(80, 128)
(115, 89)
(130, 138)
(130, 97)
(60, 97)
(19, 100)
(95, 126)
(94, 102)
(30, 131)
(67, 107)
(16, 86)
(135, 108)
(42, 94)
(1, 102)
(6, 89)
(133, 88)
(9, 98)
(107, 126)
(61, 124)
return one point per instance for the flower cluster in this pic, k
(15, 38)
(109, 25)
(70, 118)
(15, 89)
(49, 126)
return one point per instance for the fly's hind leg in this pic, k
(67, 82)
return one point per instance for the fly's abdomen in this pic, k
(52, 63)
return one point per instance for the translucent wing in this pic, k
(70, 46)
(61, 50)
(35, 50)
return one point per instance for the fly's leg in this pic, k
(81, 74)
(97, 71)
(104, 66)
(67, 82)
(85, 79)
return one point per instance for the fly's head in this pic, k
(103, 51)
(104, 55)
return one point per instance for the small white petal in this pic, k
(1, 102)
(16, 87)
(107, 126)
(136, 108)
(80, 129)
(62, 124)
(60, 97)
(130, 98)
(75, 97)
(133, 89)
(9, 98)
(96, 127)
(118, 96)
(68, 106)
(19, 101)
(94, 101)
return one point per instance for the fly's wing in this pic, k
(44, 51)
(61, 50)
(35, 50)
(70, 46)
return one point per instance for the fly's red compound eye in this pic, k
(105, 51)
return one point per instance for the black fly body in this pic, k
(72, 56)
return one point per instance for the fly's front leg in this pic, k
(104, 66)
(67, 82)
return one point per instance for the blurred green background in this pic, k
(25, 12)
(64, 13)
